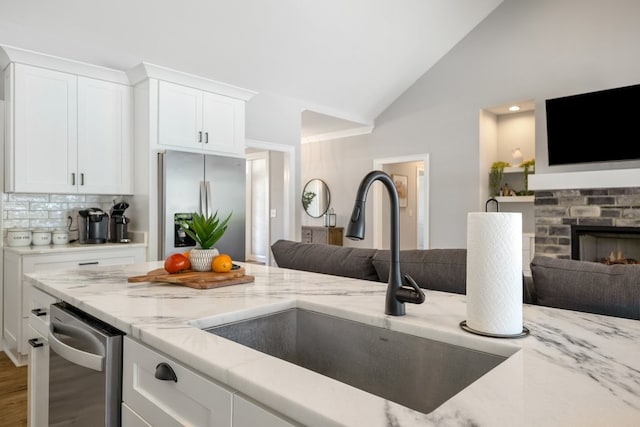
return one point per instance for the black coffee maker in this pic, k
(93, 225)
(118, 224)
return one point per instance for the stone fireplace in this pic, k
(611, 212)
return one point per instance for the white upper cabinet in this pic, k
(104, 137)
(69, 133)
(201, 121)
(43, 154)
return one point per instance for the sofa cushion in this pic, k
(587, 286)
(435, 269)
(328, 259)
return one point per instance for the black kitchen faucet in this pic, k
(397, 293)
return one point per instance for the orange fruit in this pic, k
(186, 253)
(221, 263)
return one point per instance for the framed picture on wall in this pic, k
(400, 181)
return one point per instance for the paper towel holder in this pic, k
(486, 205)
(465, 327)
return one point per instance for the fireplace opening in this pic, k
(608, 245)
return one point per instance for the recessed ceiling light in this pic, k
(514, 108)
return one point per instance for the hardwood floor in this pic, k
(13, 393)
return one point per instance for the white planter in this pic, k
(201, 258)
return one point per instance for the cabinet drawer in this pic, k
(34, 263)
(319, 236)
(191, 400)
(39, 310)
(82, 258)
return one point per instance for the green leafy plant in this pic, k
(205, 230)
(529, 164)
(495, 176)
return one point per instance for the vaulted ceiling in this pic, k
(347, 58)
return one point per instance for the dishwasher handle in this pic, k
(79, 357)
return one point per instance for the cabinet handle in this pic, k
(164, 372)
(199, 136)
(73, 178)
(206, 137)
(35, 343)
(82, 179)
(89, 263)
(39, 312)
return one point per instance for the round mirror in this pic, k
(316, 198)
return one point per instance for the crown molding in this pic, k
(9, 54)
(363, 130)
(146, 71)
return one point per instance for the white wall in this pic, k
(276, 119)
(523, 50)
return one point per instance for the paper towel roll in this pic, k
(494, 272)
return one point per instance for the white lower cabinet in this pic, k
(38, 371)
(16, 302)
(38, 380)
(190, 399)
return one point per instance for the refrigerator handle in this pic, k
(162, 204)
(209, 198)
(203, 198)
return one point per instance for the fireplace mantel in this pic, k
(613, 178)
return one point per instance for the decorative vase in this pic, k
(201, 258)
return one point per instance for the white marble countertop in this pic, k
(574, 369)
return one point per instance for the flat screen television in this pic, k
(601, 126)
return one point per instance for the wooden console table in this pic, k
(327, 235)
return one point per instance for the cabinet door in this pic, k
(104, 137)
(179, 116)
(38, 380)
(45, 131)
(190, 400)
(223, 124)
(12, 307)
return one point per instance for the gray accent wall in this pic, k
(524, 50)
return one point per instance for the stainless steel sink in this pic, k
(415, 372)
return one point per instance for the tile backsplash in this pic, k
(31, 210)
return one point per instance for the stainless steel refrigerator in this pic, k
(191, 182)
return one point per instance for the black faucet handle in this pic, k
(412, 294)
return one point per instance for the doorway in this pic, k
(257, 231)
(414, 213)
(270, 215)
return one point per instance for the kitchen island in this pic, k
(574, 369)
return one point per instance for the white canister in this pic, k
(41, 237)
(60, 237)
(18, 237)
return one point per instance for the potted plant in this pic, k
(529, 164)
(495, 177)
(206, 230)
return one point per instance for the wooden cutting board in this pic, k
(195, 279)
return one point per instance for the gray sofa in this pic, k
(436, 269)
(560, 283)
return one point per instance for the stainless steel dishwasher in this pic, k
(85, 369)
